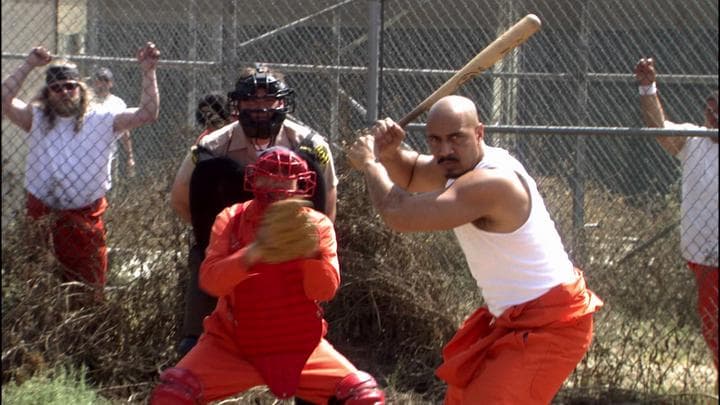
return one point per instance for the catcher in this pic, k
(270, 261)
(211, 176)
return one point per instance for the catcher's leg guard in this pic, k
(359, 388)
(177, 386)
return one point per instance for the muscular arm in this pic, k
(149, 108)
(499, 199)
(127, 145)
(17, 111)
(414, 171)
(654, 117)
(408, 169)
(180, 192)
(652, 111)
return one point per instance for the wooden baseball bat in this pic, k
(510, 39)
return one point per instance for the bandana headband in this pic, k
(57, 73)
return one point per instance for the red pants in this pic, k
(223, 372)
(706, 278)
(523, 356)
(78, 237)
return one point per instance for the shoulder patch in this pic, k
(318, 152)
(322, 154)
(194, 154)
(200, 153)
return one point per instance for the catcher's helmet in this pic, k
(279, 166)
(262, 123)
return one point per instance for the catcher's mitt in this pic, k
(286, 232)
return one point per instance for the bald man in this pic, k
(537, 322)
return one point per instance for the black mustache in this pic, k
(447, 159)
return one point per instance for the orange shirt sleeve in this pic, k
(321, 276)
(223, 267)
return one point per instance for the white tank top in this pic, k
(699, 206)
(68, 170)
(516, 267)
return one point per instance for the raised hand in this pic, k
(38, 56)
(388, 136)
(361, 152)
(148, 56)
(645, 71)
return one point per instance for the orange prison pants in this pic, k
(223, 372)
(525, 355)
(706, 278)
(78, 237)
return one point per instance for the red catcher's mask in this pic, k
(279, 173)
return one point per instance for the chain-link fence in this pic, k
(565, 103)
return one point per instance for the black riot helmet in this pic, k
(263, 123)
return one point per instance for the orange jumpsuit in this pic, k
(523, 356)
(78, 237)
(267, 327)
(706, 278)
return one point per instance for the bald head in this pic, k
(455, 135)
(454, 108)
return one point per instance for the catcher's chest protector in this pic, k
(277, 326)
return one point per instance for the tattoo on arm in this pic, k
(384, 195)
(377, 191)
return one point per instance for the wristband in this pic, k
(649, 90)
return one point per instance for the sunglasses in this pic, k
(69, 86)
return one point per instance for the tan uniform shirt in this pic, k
(231, 141)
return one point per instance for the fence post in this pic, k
(578, 183)
(228, 55)
(373, 80)
(193, 56)
(91, 32)
(56, 31)
(335, 107)
(504, 108)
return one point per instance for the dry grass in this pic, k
(401, 299)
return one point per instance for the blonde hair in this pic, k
(43, 101)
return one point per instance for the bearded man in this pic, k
(70, 149)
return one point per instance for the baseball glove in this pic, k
(286, 232)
